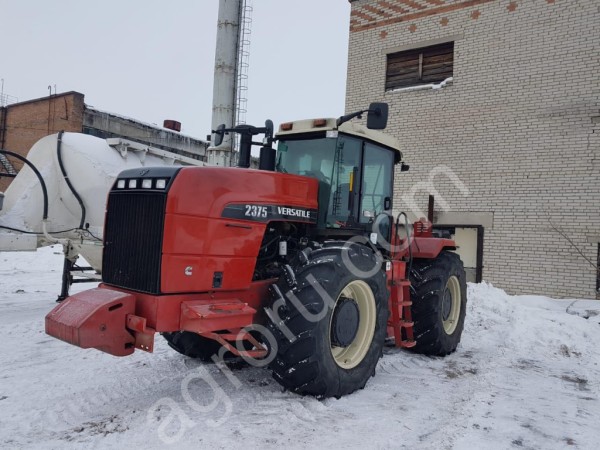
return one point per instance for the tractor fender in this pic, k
(430, 247)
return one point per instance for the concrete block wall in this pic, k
(518, 126)
(107, 125)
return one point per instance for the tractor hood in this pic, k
(187, 226)
(209, 191)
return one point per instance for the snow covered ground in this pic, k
(526, 375)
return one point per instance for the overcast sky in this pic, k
(154, 60)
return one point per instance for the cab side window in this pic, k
(346, 172)
(377, 180)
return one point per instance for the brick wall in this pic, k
(28, 122)
(519, 125)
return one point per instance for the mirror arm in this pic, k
(351, 116)
(358, 114)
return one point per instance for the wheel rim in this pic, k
(351, 356)
(451, 305)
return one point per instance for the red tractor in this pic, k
(300, 263)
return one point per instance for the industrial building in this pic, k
(497, 103)
(23, 124)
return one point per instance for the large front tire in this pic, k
(439, 303)
(329, 322)
(192, 345)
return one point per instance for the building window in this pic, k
(419, 66)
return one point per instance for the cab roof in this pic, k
(319, 125)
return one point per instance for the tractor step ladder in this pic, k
(401, 316)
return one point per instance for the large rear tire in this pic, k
(329, 322)
(439, 303)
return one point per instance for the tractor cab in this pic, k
(353, 163)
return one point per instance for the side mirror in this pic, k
(219, 134)
(377, 116)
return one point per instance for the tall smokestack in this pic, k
(226, 57)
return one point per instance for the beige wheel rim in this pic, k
(351, 356)
(451, 305)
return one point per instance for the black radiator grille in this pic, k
(133, 237)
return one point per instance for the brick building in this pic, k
(497, 103)
(23, 124)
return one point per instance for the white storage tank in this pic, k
(91, 165)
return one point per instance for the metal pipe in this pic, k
(67, 180)
(245, 149)
(430, 208)
(3, 114)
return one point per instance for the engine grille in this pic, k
(133, 236)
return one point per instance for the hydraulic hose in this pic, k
(37, 174)
(66, 177)
(44, 194)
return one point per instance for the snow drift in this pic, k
(526, 375)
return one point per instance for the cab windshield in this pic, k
(310, 157)
(350, 172)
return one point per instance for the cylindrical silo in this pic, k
(224, 88)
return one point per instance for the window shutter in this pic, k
(419, 66)
(437, 63)
(402, 69)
